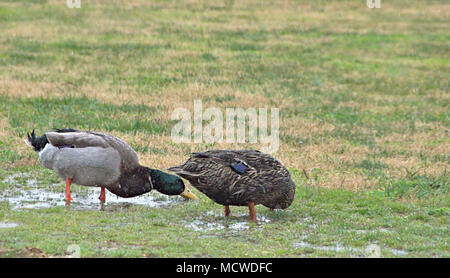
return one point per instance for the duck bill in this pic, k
(187, 194)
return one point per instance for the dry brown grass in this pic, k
(325, 155)
(15, 144)
(299, 18)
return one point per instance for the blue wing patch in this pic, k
(239, 168)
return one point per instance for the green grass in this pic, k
(81, 112)
(322, 218)
(363, 97)
(418, 185)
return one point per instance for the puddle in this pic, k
(31, 195)
(241, 224)
(399, 252)
(4, 225)
(41, 198)
(340, 248)
(308, 222)
(12, 178)
(381, 230)
(337, 248)
(203, 226)
(260, 217)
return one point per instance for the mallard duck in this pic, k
(97, 159)
(239, 178)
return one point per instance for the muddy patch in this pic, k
(28, 193)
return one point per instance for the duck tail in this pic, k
(183, 173)
(175, 169)
(38, 143)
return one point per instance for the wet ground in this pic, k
(28, 193)
(340, 248)
(236, 222)
(5, 225)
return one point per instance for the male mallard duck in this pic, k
(239, 178)
(97, 159)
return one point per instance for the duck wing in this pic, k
(77, 139)
(83, 139)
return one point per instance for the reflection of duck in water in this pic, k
(97, 159)
(239, 178)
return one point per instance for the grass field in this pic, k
(364, 121)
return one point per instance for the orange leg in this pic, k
(68, 198)
(102, 196)
(227, 210)
(251, 207)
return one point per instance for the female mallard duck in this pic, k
(239, 178)
(97, 159)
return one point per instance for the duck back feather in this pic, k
(92, 159)
(238, 177)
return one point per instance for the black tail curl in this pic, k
(38, 143)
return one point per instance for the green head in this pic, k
(169, 184)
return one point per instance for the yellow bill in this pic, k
(187, 194)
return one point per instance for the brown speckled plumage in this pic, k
(265, 180)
